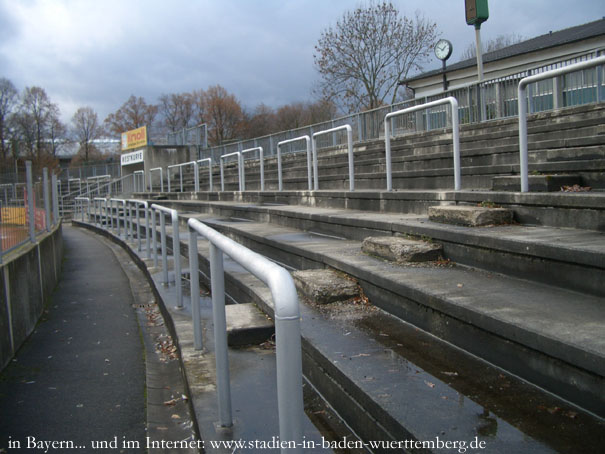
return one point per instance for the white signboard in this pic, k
(132, 158)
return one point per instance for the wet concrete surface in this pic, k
(434, 388)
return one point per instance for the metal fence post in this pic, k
(30, 201)
(163, 243)
(176, 253)
(223, 388)
(195, 290)
(147, 232)
(55, 195)
(46, 197)
(138, 227)
(155, 239)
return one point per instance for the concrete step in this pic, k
(394, 382)
(549, 336)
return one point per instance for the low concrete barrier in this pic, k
(26, 281)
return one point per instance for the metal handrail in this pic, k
(117, 229)
(99, 214)
(209, 161)
(287, 326)
(134, 176)
(349, 149)
(455, 136)
(279, 170)
(262, 167)
(522, 103)
(161, 178)
(81, 200)
(196, 177)
(176, 249)
(239, 168)
(145, 206)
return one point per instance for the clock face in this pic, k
(443, 49)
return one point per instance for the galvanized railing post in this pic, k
(138, 227)
(176, 249)
(239, 169)
(155, 239)
(217, 277)
(262, 167)
(176, 252)
(349, 151)
(455, 137)
(163, 245)
(522, 104)
(46, 197)
(55, 195)
(287, 326)
(30, 201)
(209, 161)
(195, 290)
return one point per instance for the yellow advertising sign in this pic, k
(135, 138)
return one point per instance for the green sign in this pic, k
(476, 12)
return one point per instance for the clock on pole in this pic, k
(443, 51)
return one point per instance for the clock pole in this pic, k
(445, 84)
(479, 52)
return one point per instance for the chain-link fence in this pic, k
(27, 210)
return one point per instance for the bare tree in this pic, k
(224, 115)
(362, 58)
(259, 123)
(134, 113)
(37, 123)
(177, 110)
(499, 42)
(86, 128)
(8, 101)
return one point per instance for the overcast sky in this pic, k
(97, 53)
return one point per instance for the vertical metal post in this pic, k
(522, 100)
(279, 178)
(195, 290)
(241, 172)
(262, 168)
(176, 253)
(557, 92)
(387, 147)
(30, 201)
(163, 243)
(147, 233)
(138, 227)
(155, 239)
(181, 176)
(55, 194)
(222, 178)
(46, 197)
(196, 177)
(217, 279)
(351, 163)
(479, 52)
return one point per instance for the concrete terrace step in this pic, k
(549, 336)
(393, 382)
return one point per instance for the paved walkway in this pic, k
(80, 377)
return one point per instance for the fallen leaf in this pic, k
(429, 384)
(450, 374)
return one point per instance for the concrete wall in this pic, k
(26, 280)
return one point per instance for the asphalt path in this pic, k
(78, 383)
